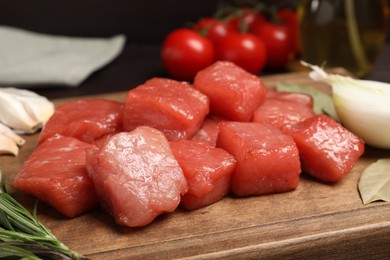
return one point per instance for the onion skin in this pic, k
(363, 106)
(366, 116)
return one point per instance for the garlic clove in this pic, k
(6, 131)
(8, 146)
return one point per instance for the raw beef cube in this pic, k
(328, 150)
(102, 140)
(87, 119)
(207, 170)
(267, 159)
(55, 173)
(233, 92)
(208, 132)
(280, 113)
(173, 107)
(136, 176)
(296, 97)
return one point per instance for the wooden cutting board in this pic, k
(316, 220)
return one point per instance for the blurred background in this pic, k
(142, 21)
(145, 21)
(145, 24)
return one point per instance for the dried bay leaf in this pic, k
(374, 182)
(322, 102)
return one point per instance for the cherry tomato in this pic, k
(244, 49)
(213, 28)
(277, 42)
(184, 52)
(248, 16)
(290, 19)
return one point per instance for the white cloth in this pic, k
(35, 59)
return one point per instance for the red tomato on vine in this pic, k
(243, 49)
(290, 19)
(247, 15)
(277, 42)
(213, 29)
(184, 52)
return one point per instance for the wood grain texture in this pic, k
(316, 220)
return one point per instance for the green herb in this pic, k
(322, 102)
(374, 182)
(23, 235)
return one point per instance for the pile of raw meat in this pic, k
(176, 144)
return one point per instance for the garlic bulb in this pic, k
(8, 146)
(23, 110)
(363, 106)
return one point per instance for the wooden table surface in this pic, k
(315, 221)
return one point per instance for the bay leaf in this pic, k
(374, 182)
(322, 102)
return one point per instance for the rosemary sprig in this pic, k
(23, 235)
(10, 250)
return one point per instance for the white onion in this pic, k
(362, 106)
